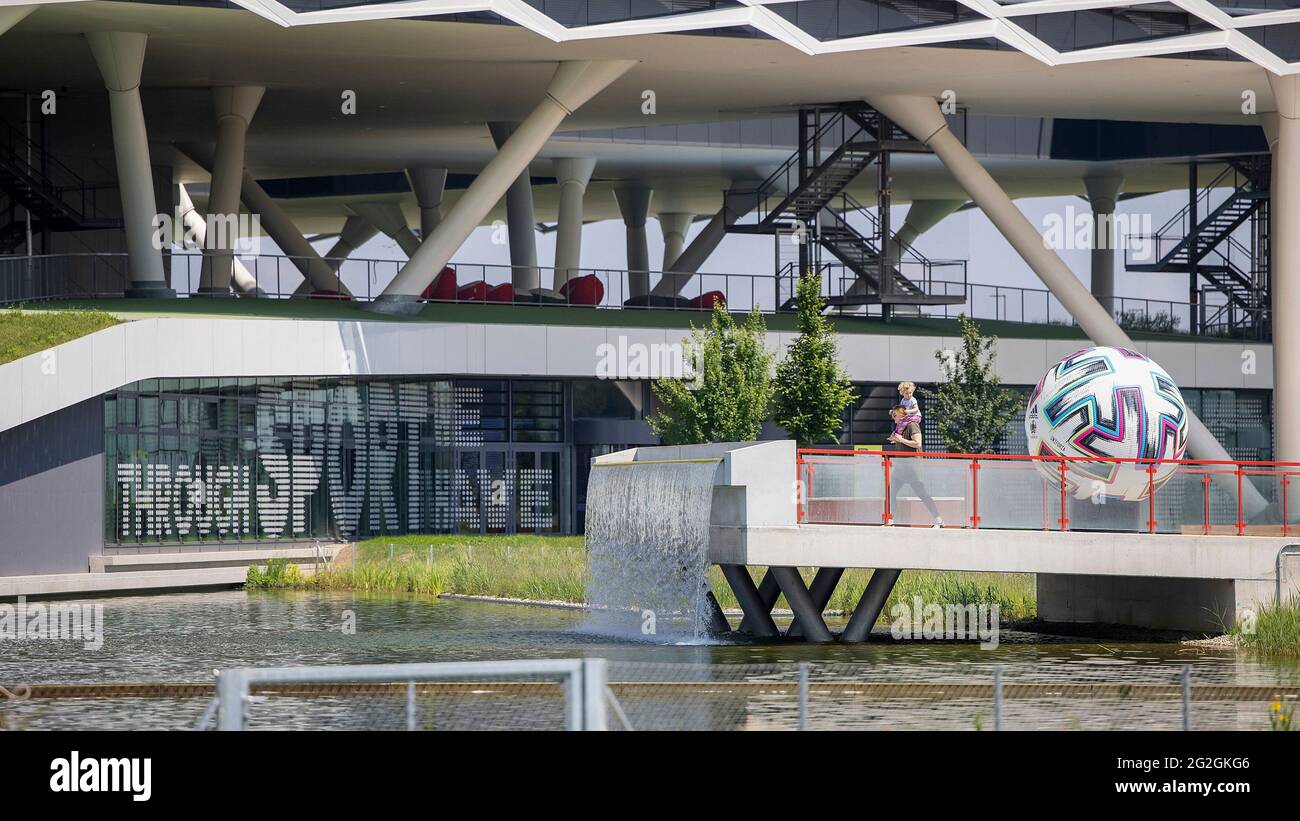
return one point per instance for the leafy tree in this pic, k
(970, 407)
(811, 389)
(729, 397)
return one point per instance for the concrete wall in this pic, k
(200, 346)
(52, 492)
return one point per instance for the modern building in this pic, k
(260, 399)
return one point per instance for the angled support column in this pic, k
(634, 205)
(1103, 194)
(235, 107)
(718, 624)
(281, 229)
(195, 226)
(355, 233)
(574, 83)
(758, 614)
(572, 175)
(674, 227)
(388, 217)
(869, 606)
(812, 627)
(822, 588)
(120, 57)
(428, 185)
(521, 223)
(921, 117)
(768, 592)
(736, 204)
(11, 16)
(1283, 131)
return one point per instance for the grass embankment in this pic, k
(1276, 630)
(548, 568)
(27, 332)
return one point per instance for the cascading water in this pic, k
(647, 546)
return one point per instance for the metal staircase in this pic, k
(1228, 280)
(57, 198)
(838, 144)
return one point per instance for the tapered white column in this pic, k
(120, 57)
(675, 227)
(572, 175)
(428, 185)
(235, 107)
(195, 227)
(921, 117)
(280, 228)
(573, 84)
(388, 218)
(1103, 195)
(736, 204)
(520, 220)
(1283, 131)
(634, 205)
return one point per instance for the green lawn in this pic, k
(24, 332)
(325, 309)
(552, 568)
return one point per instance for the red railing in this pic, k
(1243, 497)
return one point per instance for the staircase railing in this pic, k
(49, 178)
(785, 180)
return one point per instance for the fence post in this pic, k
(975, 493)
(887, 516)
(1151, 498)
(803, 695)
(1065, 520)
(594, 684)
(410, 706)
(232, 689)
(997, 698)
(1187, 697)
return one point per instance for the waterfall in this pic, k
(647, 546)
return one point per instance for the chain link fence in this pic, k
(623, 695)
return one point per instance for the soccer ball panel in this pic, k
(1107, 403)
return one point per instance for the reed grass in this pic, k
(1274, 631)
(552, 569)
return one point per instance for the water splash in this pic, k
(647, 547)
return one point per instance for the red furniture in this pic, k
(707, 300)
(443, 287)
(501, 293)
(583, 290)
(473, 292)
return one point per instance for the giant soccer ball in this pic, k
(1111, 403)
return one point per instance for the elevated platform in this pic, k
(1172, 581)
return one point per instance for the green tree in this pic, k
(971, 407)
(811, 390)
(728, 399)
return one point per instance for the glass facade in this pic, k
(257, 459)
(245, 460)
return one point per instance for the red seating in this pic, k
(501, 293)
(328, 294)
(707, 300)
(443, 287)
(583, 290)
(473, 292)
